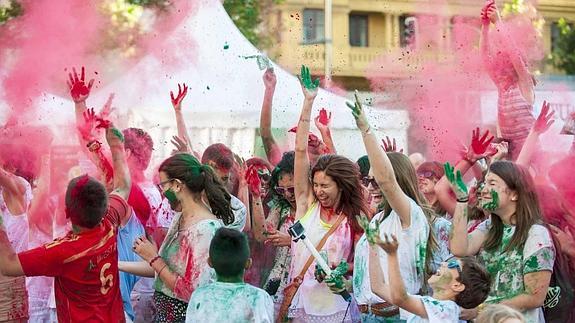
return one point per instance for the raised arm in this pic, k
(302, 186)
(15, 190)
(541, 125)
(461, 243)
(381, 167)
(487, 14)
(180, 122)
(322, 122)
(273, 152)
(122, 179)
(398, 294)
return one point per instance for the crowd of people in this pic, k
(209, 237)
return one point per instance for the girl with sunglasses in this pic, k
(270, 225)
(404, 213)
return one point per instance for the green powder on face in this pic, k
(171, 196)
(494, 203)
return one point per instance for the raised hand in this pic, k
(457, 184)
(544, 120)
(181, 146)
(357, 111)
(253, 180)
(88, 128)
(309, 86)
(270, 79)
(489, 13)
(390, 145)
(502, 149)
(107, 108)
(479, 147)
(177, 100)
(113, 135)
(79, 90)
(388, 245)
(322, 120)
(371, 232)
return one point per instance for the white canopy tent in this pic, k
(225, 96)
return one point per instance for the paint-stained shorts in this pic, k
(13, 299)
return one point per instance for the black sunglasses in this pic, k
(366, 180)
(284, 190)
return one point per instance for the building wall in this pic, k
(384, 29)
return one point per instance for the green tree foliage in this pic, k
(247, 15)
(563, 56)
(12, 11)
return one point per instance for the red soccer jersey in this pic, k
(85, 267)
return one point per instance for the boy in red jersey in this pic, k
(85, 261)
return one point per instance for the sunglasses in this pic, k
(366, 180)
(264, 175)
(284, 190)
(161, 184)
(427, 174)
(454, 264)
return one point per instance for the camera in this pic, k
(297, 231)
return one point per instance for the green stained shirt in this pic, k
(507, 269)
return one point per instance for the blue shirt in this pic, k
(126, 236)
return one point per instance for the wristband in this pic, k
(160, 272)
(463, 199)
(94, 146)
(154, 260)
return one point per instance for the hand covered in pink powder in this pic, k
(270, 79)
(87, 128)
(502, 149)
(253, 180)
(177, 100)
(322, 120)
(79, 90)
(479, 147)
(544, 120)
(390, 145)
(489, 13)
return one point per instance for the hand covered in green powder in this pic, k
(371, 232)
(336, 281)
(357, 111)
(309, 86)
(456, 181)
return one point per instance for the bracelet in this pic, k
(154, 260)
(463, 200)
(160, 272)
(368, 131)
(304, 120)
(94, 145)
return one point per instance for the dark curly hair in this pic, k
(140, 145)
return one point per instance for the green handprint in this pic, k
(456, 180)
(371, 233)
(305, 78)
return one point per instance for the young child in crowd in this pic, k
(459, 282)
(229, 299)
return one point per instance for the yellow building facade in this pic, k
(365, 29)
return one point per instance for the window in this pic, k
(313, 26)
(407, 31)
(358, 30)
